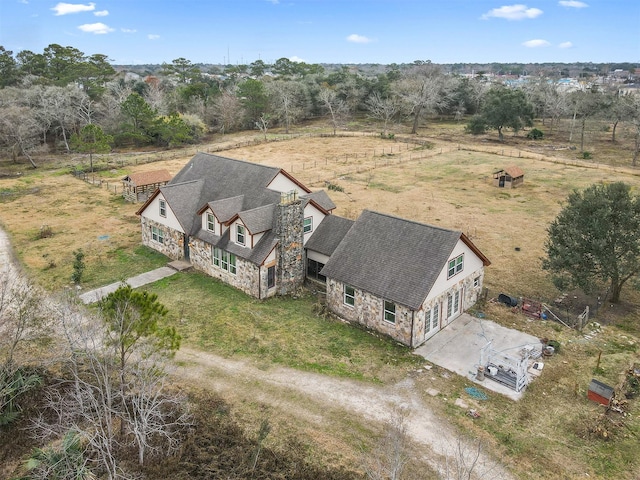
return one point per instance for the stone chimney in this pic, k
(289, 228)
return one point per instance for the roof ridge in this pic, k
(422, 224)
(238, 160)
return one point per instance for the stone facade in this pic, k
(290, 231)
(409, 327)
(173, 244)
(247, 277)
(368, 311)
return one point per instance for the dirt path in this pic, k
(312, 396)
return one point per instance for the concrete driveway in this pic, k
(457, 348)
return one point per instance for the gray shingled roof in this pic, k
(258, 220)
(226, 177)
(321, 198)
(257, 254)
(227, 207)
(395, 259)
(328, 235)
(183, 200)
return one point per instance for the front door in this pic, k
(432, 321)
(185, 241)
(453, 305)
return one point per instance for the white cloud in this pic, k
(566, 45)
(153, 36)
(128, 30)
(296, 59)
(536, 43)
(355, 38)
(97, 28)
(572, 4)
(67, 8)
(513, 12)
(101, 13)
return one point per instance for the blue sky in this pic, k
(329, 31)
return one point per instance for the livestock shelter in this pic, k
(508, 177)
(138, 187)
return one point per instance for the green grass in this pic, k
(119, 264)
(215, 317)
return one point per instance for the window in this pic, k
(157, 235)
(390, 311)
(313, 270)
(163, 208)
(307, 226)
(240, 230)
(349, 295)
(453, 303)
(455, 266)
(435, 316)
(232, 263)
(476, 282)
(427, 321)
(271, 277)
(211, 222)
(224, 260)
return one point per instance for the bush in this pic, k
(535, 134)
(587, 155)
(476, 126)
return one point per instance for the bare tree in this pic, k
(287, 98)
(262, 124)
(383, 109)
(465, 461)
(228, 111)
(336, 108)
(20, 131)
(423, 90)
(389, 457)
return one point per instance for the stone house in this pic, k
(260, 230)
(402, 278)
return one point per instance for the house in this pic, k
(402, 278)
(508, 177)
(260, 230)
(241, 222)
(138, 187)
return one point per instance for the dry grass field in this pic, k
(449, 184)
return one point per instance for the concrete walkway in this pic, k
(93, 296)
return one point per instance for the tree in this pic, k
(383, 109)
(423, 90)
(506, 108)
(91, 139)
(228, 112)
(181, 68)
(595, 239)
(9, 74)
(287, 98)
(140, 116)
(131, 319)
(585, 105)
(253, 98)
(335, 107)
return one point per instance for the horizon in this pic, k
(355, 32)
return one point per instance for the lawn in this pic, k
(213, 316)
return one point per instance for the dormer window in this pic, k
(163, 208)
(211, 222)
(240, 234)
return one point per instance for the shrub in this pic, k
(78, 266)
(587, 155)
(476, 126)
(535, 134)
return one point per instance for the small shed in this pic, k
(508, 177)
(600, 392)
(138, 187)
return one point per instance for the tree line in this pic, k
(47, 98)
